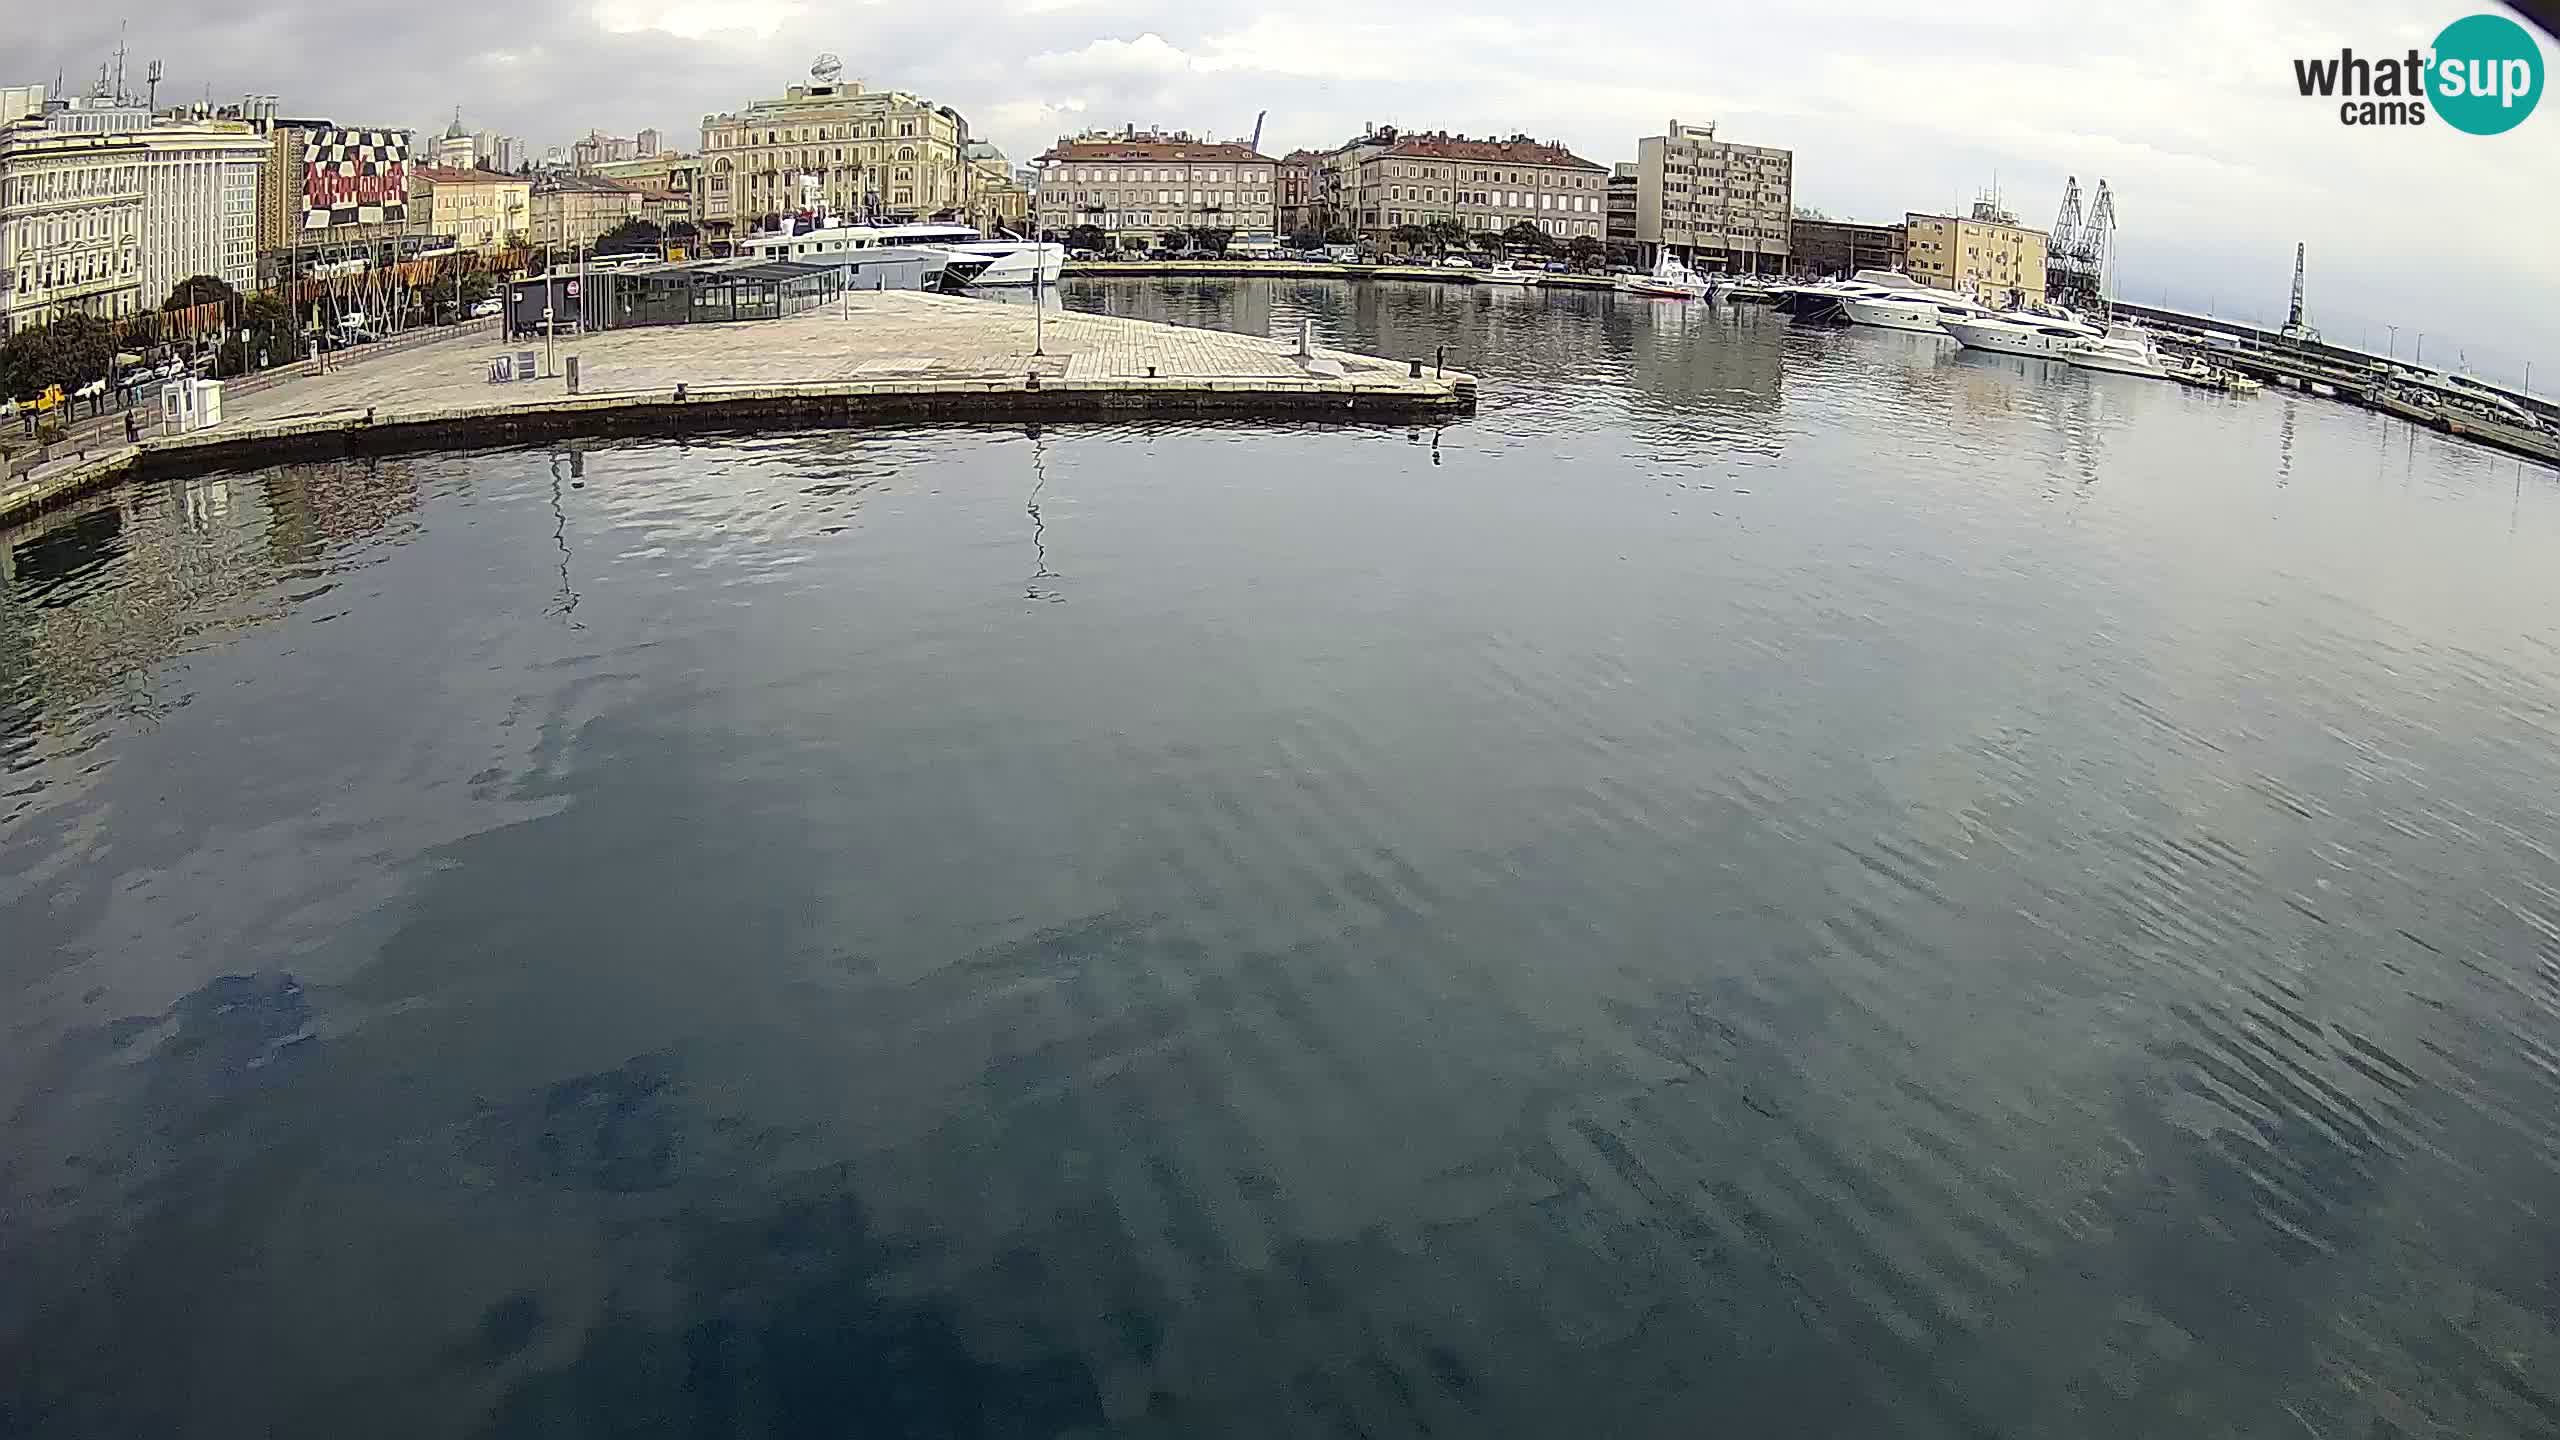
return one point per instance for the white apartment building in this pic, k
(1711, 203)
(200, 204)
(1135, 185)
(71, 211)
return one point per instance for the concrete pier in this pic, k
(886, 356)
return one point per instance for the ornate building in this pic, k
(833, 147)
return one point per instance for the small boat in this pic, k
(2125, 349)
(1670, 280)
(2203, 375)
(1750, 292)
(1503, 272)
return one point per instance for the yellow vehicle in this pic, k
(51, 399)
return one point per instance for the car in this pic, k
(487, 308)
(1084, 255)
(1558, 267)
(1457, 262)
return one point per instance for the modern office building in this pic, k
(200, 180)
(1843, 247)
(1711, 203)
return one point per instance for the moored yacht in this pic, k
(2018, 332)
(1827, 299)
(1923, 312)
(2125, 349)
(979, 260)
(1670, 280)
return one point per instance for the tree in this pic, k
(1530, 238)
(1210, 239)
(1445, 234)
(1305, 239)
(1488, 241)
(630, 235)
(70, 352)
(684, 231)
(1410, 237)
(1089, 237)
(1340, 235)
(1174, 240)
(1587, 252)
(200, 290)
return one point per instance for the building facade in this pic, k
(1621, 231)
(480, 209)
(1844, 247)
(200, 181)
(1482, 185)
(645, 144)
(1711, 203)
(1986, 253)
(1135, 185)
(71, 211)
(1298, 187)
(835, 147)
(995, 203)
(571, 211)
(601, 149)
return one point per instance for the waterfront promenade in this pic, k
(890, 355)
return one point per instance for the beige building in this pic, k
(570, 211)
(1711, 203)
(996, 201)
(832, 146)
(200, 202)
(1480, 184)
(72, 178)
(1986, 254)
(1135, 185)
(480, 210)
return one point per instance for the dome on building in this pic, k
(455, 131)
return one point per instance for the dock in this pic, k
(895, 356)
(1311, 270)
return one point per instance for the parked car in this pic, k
(1457, 262)
(1558, 267)
(487, 308)
(1084, 255)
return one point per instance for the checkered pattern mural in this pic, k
(355, 177)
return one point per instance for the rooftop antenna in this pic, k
(152, 79)
(120, 28)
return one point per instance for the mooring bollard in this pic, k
(572, 362)
(679, 392)
(1417, 368)
(1031, 380)
(1306, 339)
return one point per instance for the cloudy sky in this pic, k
(2187, 106)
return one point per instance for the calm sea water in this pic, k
(1771, 882)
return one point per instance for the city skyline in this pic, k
(2188, 110)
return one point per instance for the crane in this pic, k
(1256, 146)
(2297, 324)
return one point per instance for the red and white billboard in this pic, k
(355, 177)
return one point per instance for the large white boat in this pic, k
(1828, 299)
(975, 260)
(1923, 312)
(2125, 349)
(1503, 272)
(2019, 332)
(1670, 280)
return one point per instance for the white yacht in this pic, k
(2465, 406)
(1826, 299)
(1670, 280)
(976, 260)
(2019, 332)
(2125, 349)
(1923, 312)
(1503, 272)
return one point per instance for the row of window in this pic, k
(68, 183)
(1498, 199)
(1163, 197)
(804, 134)
(1188, 175)
(1495, 177)
(1548, 223)
(87, 269)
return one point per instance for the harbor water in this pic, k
(1772, 881)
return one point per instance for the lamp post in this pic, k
(2394, 352)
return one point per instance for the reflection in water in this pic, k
(1694, 891)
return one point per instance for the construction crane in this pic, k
(1256, 146)
(2075, 256)
(2298, 329)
